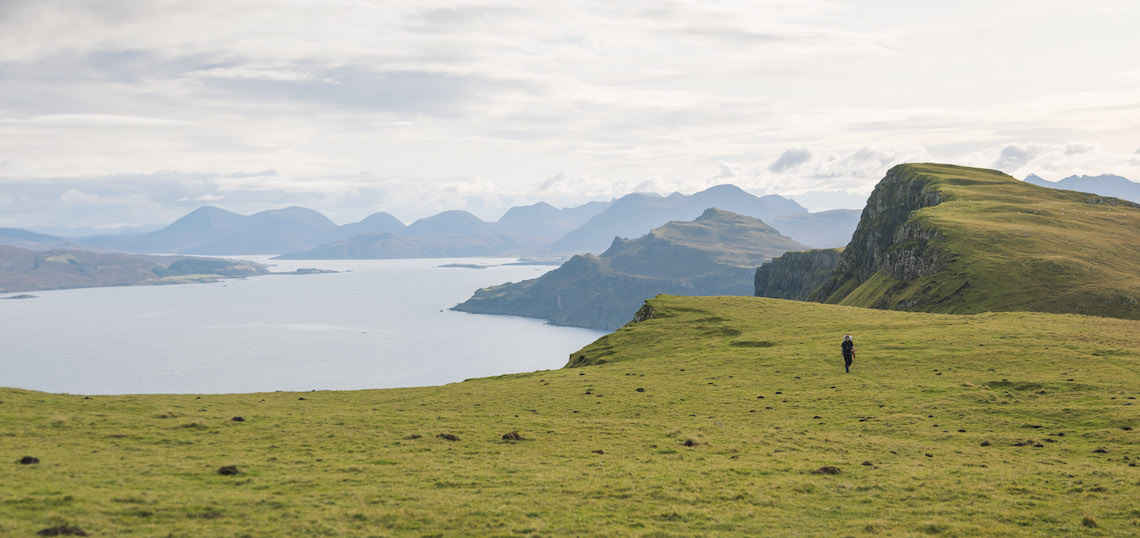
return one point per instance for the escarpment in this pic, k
(889, 240)
(795, 275)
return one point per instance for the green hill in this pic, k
(943, 238)
(1000, 424)
(716, 254)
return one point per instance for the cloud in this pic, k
(1054, 161)
(790, 158)
(98, 120)
(76, 197)
(475, 105)
(254, 73)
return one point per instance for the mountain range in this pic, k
(1104, 185)
(716, 254)
(537, 229)
(636, 214)
(211, 230)
(543, 229)
(19, 237)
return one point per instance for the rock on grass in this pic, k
(61, 530)
(448, 436)
(28, 460)
(827, 470)
(228, 470)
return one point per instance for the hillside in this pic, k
(714, 255)
(943, 238)
(28, 270)
(1104, 185)
(961, 432)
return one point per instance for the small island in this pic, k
(465, 265)
(308, 271)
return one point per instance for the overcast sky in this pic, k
(126, 112)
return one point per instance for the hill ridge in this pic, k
(713, 255)
(946, 238)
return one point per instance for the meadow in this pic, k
(714, 416)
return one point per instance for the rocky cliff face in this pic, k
(888, 240)
(795, 275)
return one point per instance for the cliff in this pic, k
(795, 275)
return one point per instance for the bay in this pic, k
(376, 324)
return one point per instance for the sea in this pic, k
(373, 324)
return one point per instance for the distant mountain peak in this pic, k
(1104, 185)
(380, 217)
(725, 188)
(714, 213)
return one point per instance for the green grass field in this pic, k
(990, 424)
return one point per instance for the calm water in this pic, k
(383, 325)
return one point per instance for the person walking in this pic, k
(848, 352)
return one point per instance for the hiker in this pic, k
(848, 352)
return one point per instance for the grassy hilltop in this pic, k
(706, 418)
(952, 239)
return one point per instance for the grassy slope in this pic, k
(341, 463)
(1019, 247)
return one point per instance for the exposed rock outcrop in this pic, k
(888, 240)
(795, 275)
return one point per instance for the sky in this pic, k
(116, 113)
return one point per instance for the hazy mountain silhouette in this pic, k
(217, 231)
(376, 223)
(19, 237)
(270, 232)
(825, 229)
(1104, 185)
(636, 214)
(545, 221)
(533, 229)
(454, 223)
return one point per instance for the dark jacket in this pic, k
(848, 349)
